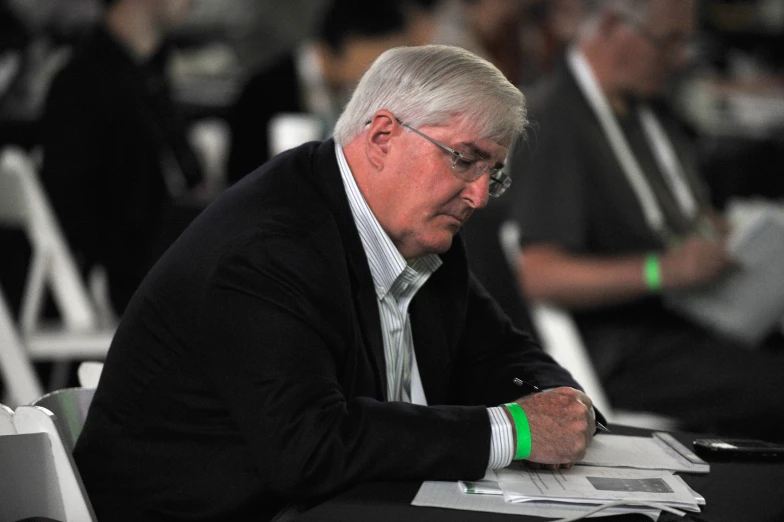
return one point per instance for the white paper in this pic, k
(596, 485)
(448, 495)
(624, 451)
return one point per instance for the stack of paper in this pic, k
(449, 495)
(661, 451)
(634, 474)
(593, 485)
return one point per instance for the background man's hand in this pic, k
(561, 425)
(695, 262)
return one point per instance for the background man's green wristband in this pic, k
(652, 272)
(522, 429)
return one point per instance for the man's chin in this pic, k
(442, 245)
(439, 246)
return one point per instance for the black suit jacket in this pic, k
(248, 369)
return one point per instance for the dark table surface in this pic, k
(735, 491)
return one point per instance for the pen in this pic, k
(521, 383)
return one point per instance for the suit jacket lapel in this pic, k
(327, 179)
(435, 322)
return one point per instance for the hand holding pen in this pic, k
(555, 429)
(535, 389)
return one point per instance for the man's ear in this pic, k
(383, 128)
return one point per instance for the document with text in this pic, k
(448, 495)
(596, 485)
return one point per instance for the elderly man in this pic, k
(318, 325)
(613, 213)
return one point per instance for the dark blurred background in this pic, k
(733, 95)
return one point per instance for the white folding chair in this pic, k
(89, 373)
(39, 477)
(6, 420)
(561, 338)
(87, 325)
(19, 377)
(289, 130)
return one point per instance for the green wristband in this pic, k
(652, 272)
(522, 429)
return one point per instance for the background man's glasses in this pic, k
(667, 46)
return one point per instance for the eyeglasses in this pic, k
(471, 169)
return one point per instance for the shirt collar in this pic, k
(384, 259)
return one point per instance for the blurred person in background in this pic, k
(116, 158)
(316, 78)
(523, 38)
(613, 213)
(517, 36)
(422, 16)
(15, 39)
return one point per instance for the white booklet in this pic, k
(597, 485)
(660, 451)
(748, 304)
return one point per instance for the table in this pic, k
(734, 491)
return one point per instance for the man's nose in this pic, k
(477, 192)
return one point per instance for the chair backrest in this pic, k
(6, 420)
(39, 477)
(289, 130)
(69, 407)
(28, 483)
(89, 373)
(23, 203)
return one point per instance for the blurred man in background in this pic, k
(613, 212)
(316, 79)
(115, 151)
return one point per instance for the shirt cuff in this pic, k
(502, 443)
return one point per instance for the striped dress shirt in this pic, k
(396, 282)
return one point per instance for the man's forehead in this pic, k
(485, 148)
(467, 135)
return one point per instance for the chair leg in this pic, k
(20, 382)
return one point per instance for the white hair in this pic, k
(429, 84)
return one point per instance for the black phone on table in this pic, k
(739, 448)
